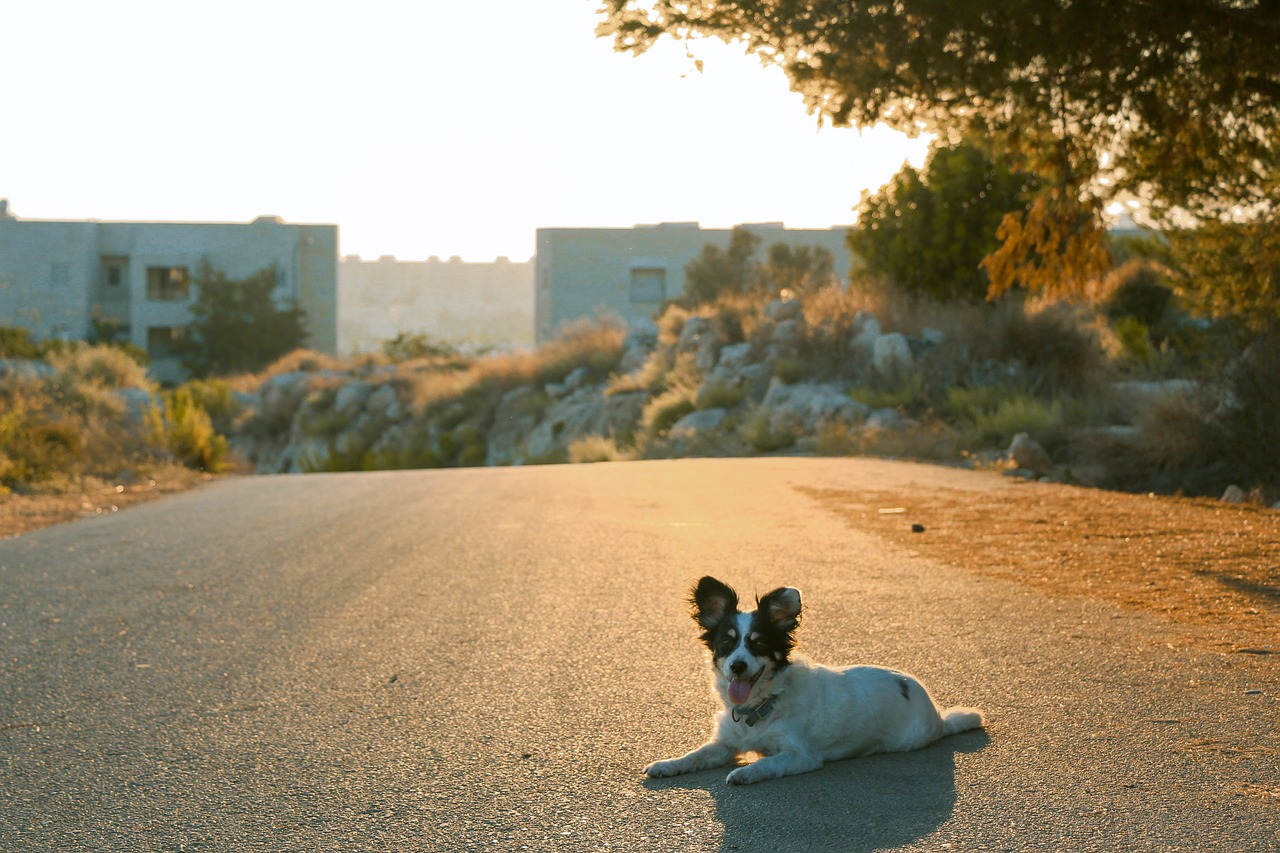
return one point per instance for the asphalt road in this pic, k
(485, 659)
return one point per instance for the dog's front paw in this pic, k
(663, 769)
(745, 775)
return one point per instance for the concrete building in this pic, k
(456, 302)
(58, 277)
(629, 272)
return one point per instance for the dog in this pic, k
(796, 714)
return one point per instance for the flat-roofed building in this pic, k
(59, 278)
(629, 272)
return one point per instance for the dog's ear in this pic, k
(711, 600)
(782, 607)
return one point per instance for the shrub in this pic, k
(1250, 422)
(662, 412)
(186, 431)
(996, 415)
(596, 448)
(16, 342)
(719, 394)
(1057, 349)
(215, 397)
(106, 366)
(407, 346)
(37, 442)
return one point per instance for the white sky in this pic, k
(420, 127)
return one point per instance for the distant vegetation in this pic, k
(1156, 374)
(72, 414)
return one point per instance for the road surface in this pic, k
(485, 659)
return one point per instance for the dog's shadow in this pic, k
(860, 804)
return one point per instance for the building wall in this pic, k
(457, 302)
(56, 277)
(628, 272)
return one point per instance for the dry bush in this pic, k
(597, 448)
(593, 344)
(108, 367)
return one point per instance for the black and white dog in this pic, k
(797, 714)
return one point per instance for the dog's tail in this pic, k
(956, 720)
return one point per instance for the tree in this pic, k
(1177, 103)
(928, 232)
(717, 271)
(238, 327)
(797, 269)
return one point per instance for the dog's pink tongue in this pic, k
(739, 690)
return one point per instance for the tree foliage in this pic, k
(928, 231)
(736, 270)
(716, 271)
(237, 325)
(1177, 103)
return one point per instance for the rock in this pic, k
(696, 423)
(787, 336)
(384, 402)
(642, 337)
(891, 354)
(1233, 495)
(885, 419)
(279, 398)
(866, 330)
(351, 398)
(576, 378)
(933, 338)
(699, 336)
(734, 356)
(808, 406)
(513, 420)
(1028, 455)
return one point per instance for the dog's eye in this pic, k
(725, 645)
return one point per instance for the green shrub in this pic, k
(995, 415)
(16, 342)
(790, 370)
(215, 397)
(37, 442)
(186, 431)
(718, 394)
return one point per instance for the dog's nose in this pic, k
(738, 667)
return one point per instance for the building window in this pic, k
(113, 272)
(168, 284)
(162, 341)
(648, 284)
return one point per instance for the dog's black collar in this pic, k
(756, 714)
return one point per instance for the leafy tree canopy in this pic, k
(928, 231)
(1176, 103)
(237, 325)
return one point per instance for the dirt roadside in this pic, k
(1199, 562)
(23, 513)
(1194, 561)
